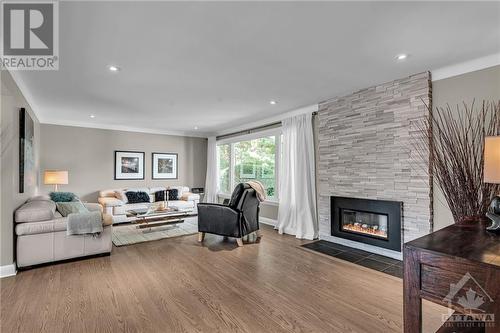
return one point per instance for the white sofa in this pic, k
(41, 234)
(118, 208)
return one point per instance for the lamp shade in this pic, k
(492, 159)
(53, 177)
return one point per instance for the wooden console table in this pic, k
(466, 256)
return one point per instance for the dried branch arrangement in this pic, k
(456, 138)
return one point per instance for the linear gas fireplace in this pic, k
(374, 222)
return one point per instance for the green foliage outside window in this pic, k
(253, 160)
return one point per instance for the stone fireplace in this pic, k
(365, 150)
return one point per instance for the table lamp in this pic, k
(55, 177)
(492, 175)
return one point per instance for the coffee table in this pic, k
(145, 218)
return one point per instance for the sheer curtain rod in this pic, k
(254, 129)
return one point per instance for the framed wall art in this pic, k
(165, 165)
(129, 165)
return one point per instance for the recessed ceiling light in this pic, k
(273, 102)
(114, 68)
(92, 116)
(196, 127)
(401, 56)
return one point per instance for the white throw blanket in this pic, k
(259, 189)
(84, 223)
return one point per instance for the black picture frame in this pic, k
(133, 176)
(154, 173)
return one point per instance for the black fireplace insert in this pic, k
(374, 222)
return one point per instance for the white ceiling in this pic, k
(217, 65)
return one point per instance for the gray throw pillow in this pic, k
(66, 208)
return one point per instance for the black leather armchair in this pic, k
(238, 218)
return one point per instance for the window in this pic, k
(252, 159)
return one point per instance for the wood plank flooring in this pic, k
(178, 285)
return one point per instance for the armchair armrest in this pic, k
(219, 219)
(110, 202)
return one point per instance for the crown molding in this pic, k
(466, 67)
(127, 128)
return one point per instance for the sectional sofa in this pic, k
(116, 205)
(41, 234)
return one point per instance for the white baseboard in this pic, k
(268, 221)
(8, 270)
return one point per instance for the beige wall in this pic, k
(88, 155)
(478, 85)
(11, 101)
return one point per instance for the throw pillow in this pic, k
(120, 195)
(159, 196)
(172, 195)
(66, 208)
(62, 196)
(137, 197)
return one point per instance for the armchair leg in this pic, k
(201, 236)
(239, 241)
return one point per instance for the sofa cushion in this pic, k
(188, 196)
(35, 211)
(181, 204)
(31, 228)
(66, 208)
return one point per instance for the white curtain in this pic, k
(297, 187)
(211, 181)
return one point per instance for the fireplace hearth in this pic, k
(374, 222)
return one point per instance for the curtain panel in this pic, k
(297, 190)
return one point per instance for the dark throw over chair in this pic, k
(237, 219)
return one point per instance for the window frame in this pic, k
(277, 133)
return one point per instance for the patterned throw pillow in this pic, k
(172, 195)
(137, 197)
(62, 196)
(66, 208)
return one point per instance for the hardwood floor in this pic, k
(180, 285)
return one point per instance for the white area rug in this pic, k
(127, 234)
